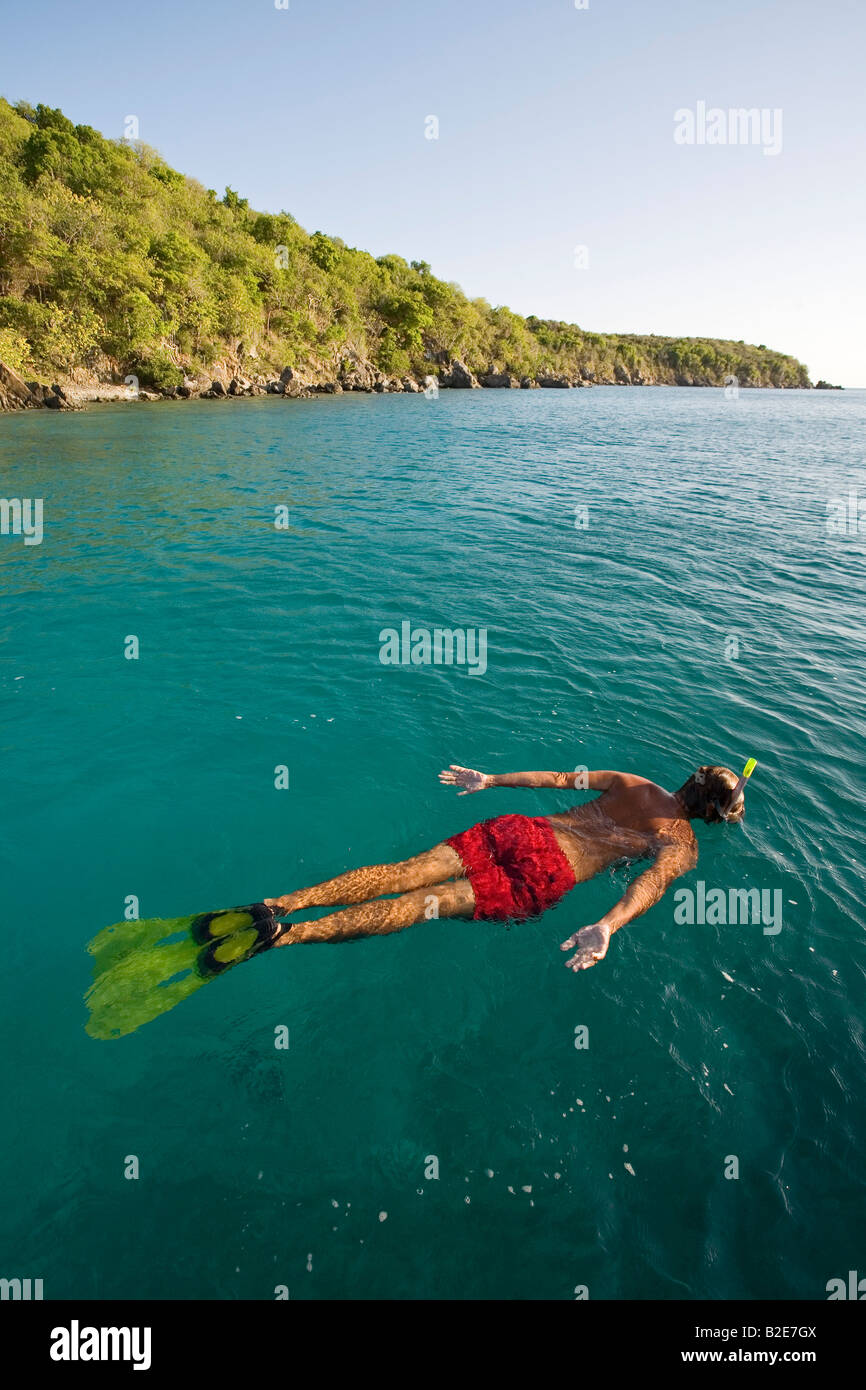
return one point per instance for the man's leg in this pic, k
(378, 918)
(360, 885)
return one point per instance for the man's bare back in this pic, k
(632, 819)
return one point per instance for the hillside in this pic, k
(111, 262)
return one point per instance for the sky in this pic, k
(556, 131)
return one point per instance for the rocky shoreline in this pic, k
(233, 380)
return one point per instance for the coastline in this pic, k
(230, 382)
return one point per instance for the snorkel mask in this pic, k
(732, 799)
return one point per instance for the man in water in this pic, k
(509, 868)
(514, 867)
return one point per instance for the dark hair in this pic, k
(706, 787)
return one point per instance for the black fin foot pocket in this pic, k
(241, 944)
(213, 926)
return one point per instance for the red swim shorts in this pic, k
(515, 866)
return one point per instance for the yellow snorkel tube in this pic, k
(746, 774)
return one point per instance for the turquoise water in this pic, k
(608, 645)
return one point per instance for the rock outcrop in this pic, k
(499, 379)
(356, 374)
(18, 394)
(459, 377)
(15, 394)
(294, 390)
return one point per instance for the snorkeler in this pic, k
(510, 868)
(515, 867)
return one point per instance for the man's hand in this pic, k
(465, 777)
(592, 943)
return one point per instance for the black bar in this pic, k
(414, 1337)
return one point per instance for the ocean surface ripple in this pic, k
(659, 588)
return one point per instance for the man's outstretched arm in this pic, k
(472, 781)
(639, 897)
